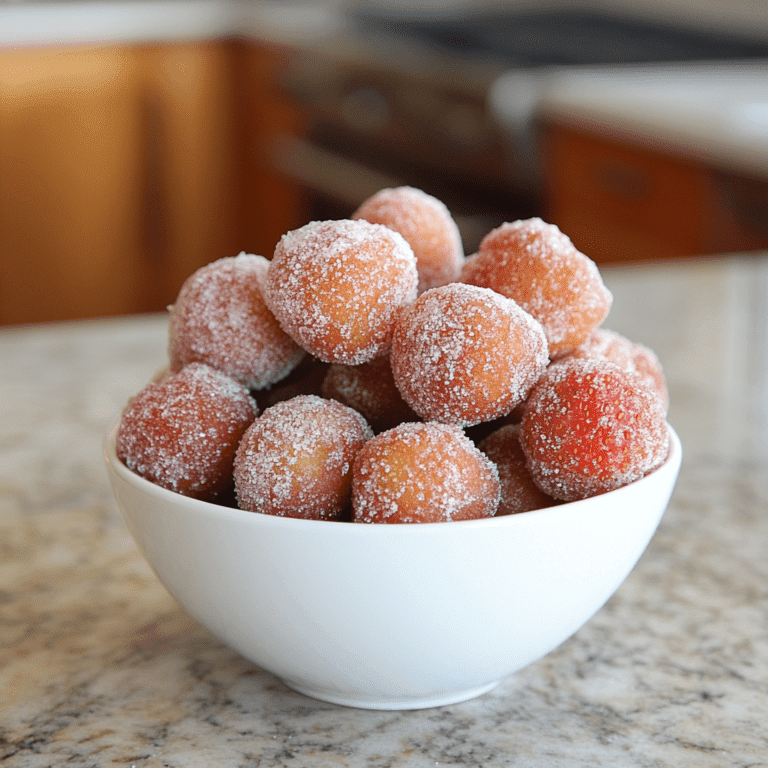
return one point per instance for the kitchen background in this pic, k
(140, 140)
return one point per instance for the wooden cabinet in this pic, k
(619, 200)
(118, 176)
(190, 185)
(70, 176)
(269, 203)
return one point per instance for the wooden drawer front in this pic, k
(624, 202)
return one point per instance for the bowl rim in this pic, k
(670, 465)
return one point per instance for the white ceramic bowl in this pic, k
(393, 616)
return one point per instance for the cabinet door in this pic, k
(70, 185)
(191, 170)
(124, 169)
(269, 204)
(621, 201)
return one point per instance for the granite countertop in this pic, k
(99, 667)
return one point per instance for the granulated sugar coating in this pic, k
(220, 318)
(518, 491)
(426, 223)
(538, 266)
(422, 473)
(369, 389)
(337, 286)
(462, 354)
(296, 459)
(590, 427)
(182, 432)
(628, 355)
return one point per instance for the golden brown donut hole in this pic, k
(422, 473)
(295, 460)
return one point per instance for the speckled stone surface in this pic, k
(99, 667)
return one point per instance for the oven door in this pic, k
(366, 128)
(338, 181)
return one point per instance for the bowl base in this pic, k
(392, 703)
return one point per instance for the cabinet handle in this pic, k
(349, 182)
(325, 172)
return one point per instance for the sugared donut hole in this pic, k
(422, 473)
(369, 389)
(296, 459)
(426, 224)
(182, 432)
(220, 318)
(463, 354)
(341, 289)
(591, 427)
(538, 266)
(629, 355)
(337, 286)
(519, 493)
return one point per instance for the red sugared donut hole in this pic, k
(629, 355)
(182, 432)
(591, 427)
